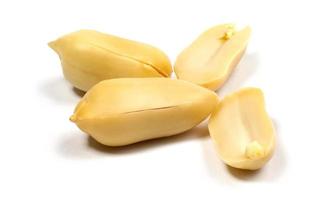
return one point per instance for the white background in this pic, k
(44, 156)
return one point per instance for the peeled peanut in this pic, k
(123, 111)
(242, 131)
(211, 58)
(89, 57)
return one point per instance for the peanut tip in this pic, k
(73, 118)
(254, 150)
(53, 45)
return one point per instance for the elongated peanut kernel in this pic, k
(129, 110)
(248, 141)
(88, 57)
(211, 58)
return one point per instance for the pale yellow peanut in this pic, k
(89, 57)
(242, 131)
(123, 111)
(211, 58)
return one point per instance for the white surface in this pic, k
(44, 156)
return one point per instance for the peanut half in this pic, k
(210, 59)
(242, 131)
(123, 111)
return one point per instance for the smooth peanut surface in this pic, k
(242, 131)
(123, 111)
(211, 58)
(89, 57)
